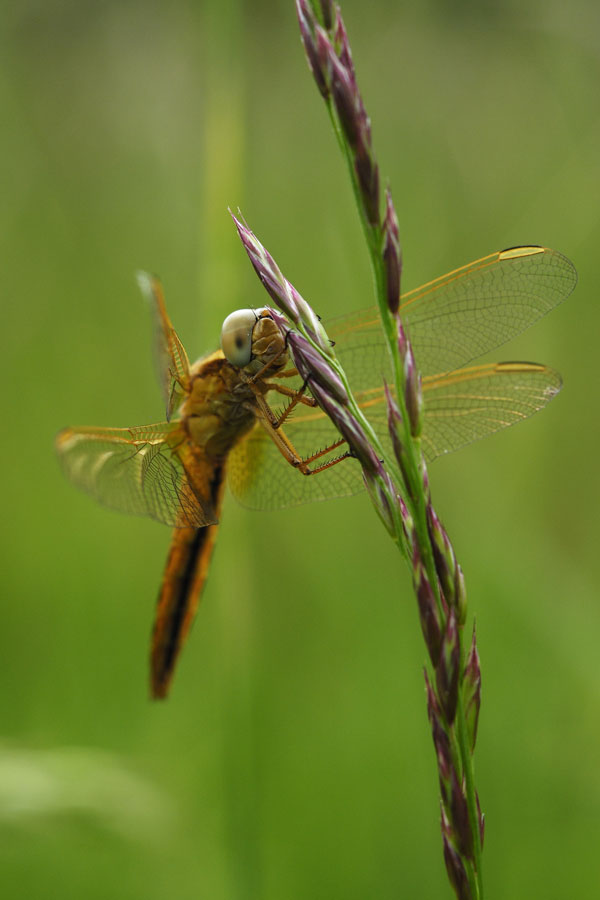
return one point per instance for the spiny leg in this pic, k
(296, 397)
(327, 465)
(268, 420)
(302, 463)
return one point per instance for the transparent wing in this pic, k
(259, 476)
(459, 408)
(460, 316)
(464, 406)
(472, 403)
(171, 359)
(450, 321)
(145, 471)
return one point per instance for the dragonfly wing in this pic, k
(459, 408)
(460, 316)
(474, 309)
(472, 403)
(145, 471)
(451, 321)
(261, 478)
(360, 346)
(469, 404)
(171, 359)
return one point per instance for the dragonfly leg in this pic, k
(303, 464)
(296, 397)
(268, 420)
(327, 465)
(275, 420)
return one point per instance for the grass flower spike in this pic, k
(392, 455)
(317, 365)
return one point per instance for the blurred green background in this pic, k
(293, 758)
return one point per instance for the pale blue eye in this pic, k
(236, 336)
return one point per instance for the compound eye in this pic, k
(236, 337)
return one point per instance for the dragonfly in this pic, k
(221, 425)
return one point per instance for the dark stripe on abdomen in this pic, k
(183, 580)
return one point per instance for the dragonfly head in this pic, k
(250, 339)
